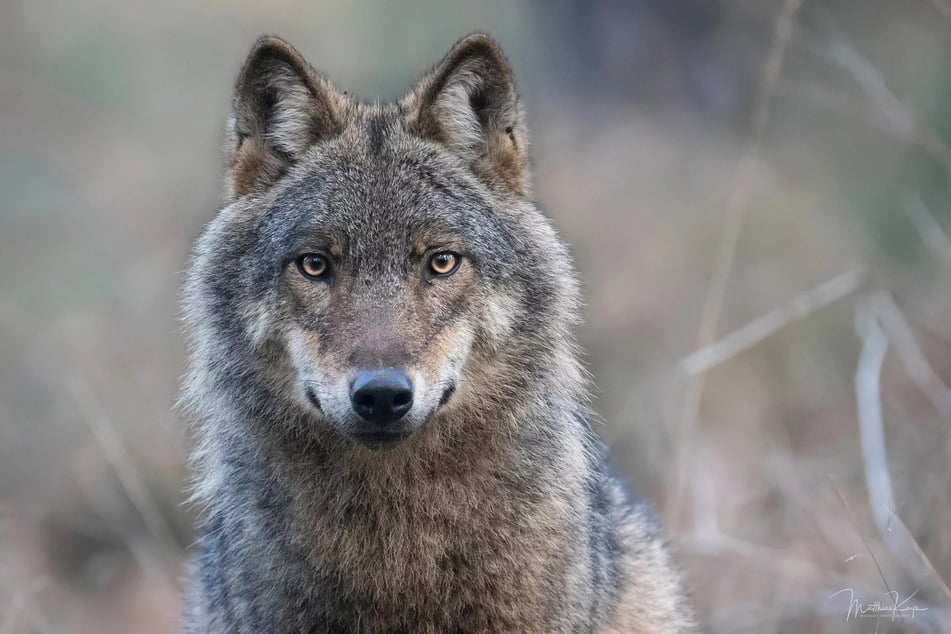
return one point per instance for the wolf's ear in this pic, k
(281, 108)
(469, 104)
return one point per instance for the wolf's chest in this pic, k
(487, 563)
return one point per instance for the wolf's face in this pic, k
(375, 264)
(384, 256)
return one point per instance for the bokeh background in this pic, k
(757, 194)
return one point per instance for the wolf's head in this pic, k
(378, 268)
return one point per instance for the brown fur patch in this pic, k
(470, 104)
(282, 107)
(252, 165)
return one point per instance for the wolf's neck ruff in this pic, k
(479, 523)
(392, 418)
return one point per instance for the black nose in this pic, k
(381, 396)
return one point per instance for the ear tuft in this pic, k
(281, 108)
(469, 104)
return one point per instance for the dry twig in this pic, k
(929, 229)
(895, 536)
(882, 108)
(775, 320)
(872, 436)
(910, 353)
(130, 478)
(737, 207)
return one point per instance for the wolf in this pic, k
(392, 429)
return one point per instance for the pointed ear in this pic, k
(469, 104)
(281, 108)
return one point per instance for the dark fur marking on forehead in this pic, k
(446, 184)
(376, 131)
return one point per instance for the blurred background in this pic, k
(757, 194)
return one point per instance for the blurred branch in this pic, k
(130, 478)
(930, 230)
(888, 112)
(868, 400)
(911, 354)
(762, 327)
(860, 110)
(895, 536)
(870, 80)
(737, 206)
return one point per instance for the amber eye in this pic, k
(313, 265)
(444, 263)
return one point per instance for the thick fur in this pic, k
(498, 513)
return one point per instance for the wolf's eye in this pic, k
(313, 265)
(444, 263)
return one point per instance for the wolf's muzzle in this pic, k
(381, 397)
